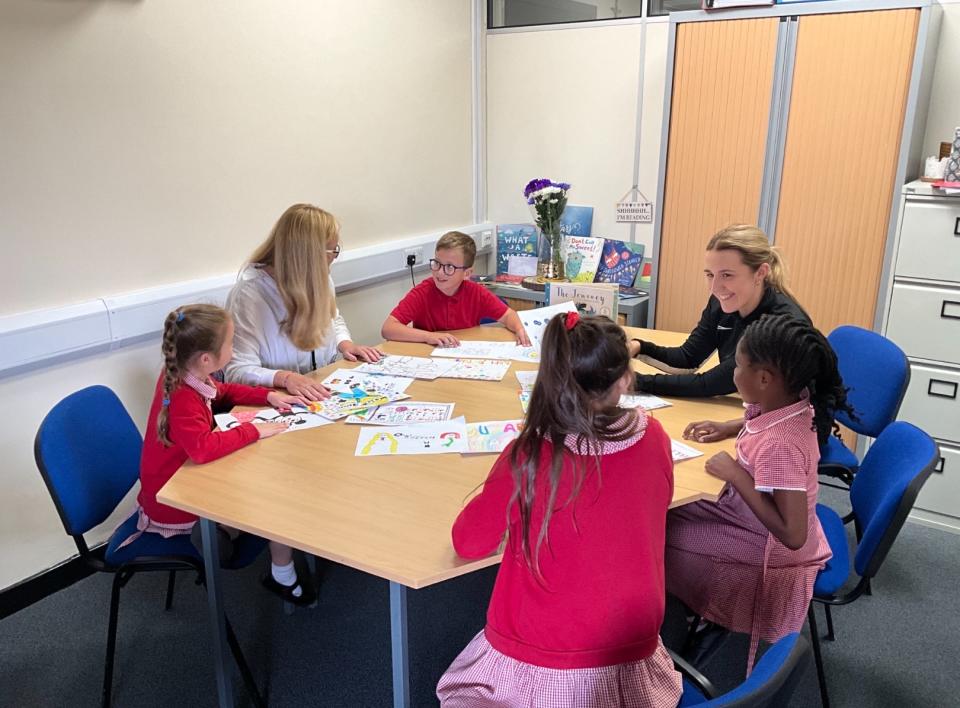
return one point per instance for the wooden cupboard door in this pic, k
(720, 108)
(850, 84)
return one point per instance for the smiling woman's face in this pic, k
(733, 283)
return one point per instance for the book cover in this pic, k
(516, 252)
(576, 220)
(590, 298)
(582, 258)
(620, 262)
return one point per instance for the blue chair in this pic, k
(88, 452)
(771, 683)
(882, 495)
(877, 373)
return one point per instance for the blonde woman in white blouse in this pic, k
(284, 307)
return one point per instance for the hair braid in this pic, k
(171, 374)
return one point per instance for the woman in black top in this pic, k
(746, 277)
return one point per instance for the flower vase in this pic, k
(550, 254)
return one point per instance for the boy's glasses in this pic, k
(334, 252)
(448, 268)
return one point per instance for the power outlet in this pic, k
(486, 239)
(417, 254)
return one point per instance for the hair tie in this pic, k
(571, 319)
(180, 316)
(166, 402)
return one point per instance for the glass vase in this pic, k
(550, 254)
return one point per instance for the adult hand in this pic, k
(353, 352)
(522, 338)
(443, 339)
(268, 430)
(282, 401)
(304, 386)
(706, 431)
(722, 466)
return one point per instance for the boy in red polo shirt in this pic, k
(449, 300)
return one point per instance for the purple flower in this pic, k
(563, 185)
(535, 185)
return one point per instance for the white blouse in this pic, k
(260, 348)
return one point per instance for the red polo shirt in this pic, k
(429, 309)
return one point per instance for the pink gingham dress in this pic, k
(724, 564)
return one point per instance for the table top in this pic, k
(391, 515)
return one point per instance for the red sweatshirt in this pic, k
(191, 430)
(601, 600)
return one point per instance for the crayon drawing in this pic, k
(478, 350)
(406, 413)
(417, 367)
(344, 380)
(683, 452)
(299, 419)
(492, 436)
(478, 369)
(424, 439)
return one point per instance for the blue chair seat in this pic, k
(835, 453)
(692, 695)
(835, 574)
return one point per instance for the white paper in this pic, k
(522, 265)
(418, 367)
(492, 435)
(525, 400)
(527, 379)
(531, 355)
(477, 369)
(425, 439)
(345, 380)
(478, 350)
(535, 321)
(642, 400)
(298, 419)
(404, 413)
(683, 452)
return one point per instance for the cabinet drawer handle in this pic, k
(951, 385)
(943, 310)
(939, 468)
(956, 227)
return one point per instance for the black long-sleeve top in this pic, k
(717, 331)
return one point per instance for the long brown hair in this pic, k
(755, 250)
(578, 367)
(296, 249)
(189, 330)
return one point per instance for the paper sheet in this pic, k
(535, 321)
(404, 413)
(683, 452)
(477, 369)
(344, 380)
(642, 400)
(492, 436)
(478, 350)
(417, 367)
(298, 419)
(425, 439)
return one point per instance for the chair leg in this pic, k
(815, 640)
(111, 639)
(313, 567)
(245, 672)
(830, 635)
(170, 582)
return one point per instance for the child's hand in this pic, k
(353, 352)
(268, 430)
(722, 466)
(304, 386)
(282, 401)
(522, 339)
(443, 339)
(706, 431)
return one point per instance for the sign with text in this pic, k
(634, 208)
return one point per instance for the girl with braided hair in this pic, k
(749, 561)
(198, 341)
(582, 497)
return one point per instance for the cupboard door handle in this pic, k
(951, 385)
(943, 310)
(956, 227)
(939, 468)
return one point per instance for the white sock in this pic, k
(286, 575)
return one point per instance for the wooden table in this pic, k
(389, 516)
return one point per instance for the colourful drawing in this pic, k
(407, 413)
(425, 439)
(298, 419)
(391, 441)
(535, 321)
(342, 404)
(347, 379)
(492, 435)
(642, 400)
(417, 367)
(478, 350)
(525, 400)
(478, 369)
(527, 379)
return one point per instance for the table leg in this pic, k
(399, 645)
(211, 561)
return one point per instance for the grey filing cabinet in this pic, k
(923, 318)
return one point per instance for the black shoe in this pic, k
(285, 592)
(707, 641)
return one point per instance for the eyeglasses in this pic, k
(334, 252)
(448, 268)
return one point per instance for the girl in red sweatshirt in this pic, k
(582, 497)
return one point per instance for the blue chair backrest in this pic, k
(88, 452)
(890, 477)
(773, 678)
(877, 373)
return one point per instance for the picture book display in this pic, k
(416, 367)
(298, 419)
(535, 321)
(683, 452)
(582, 258)
(404, 413)
(345, 380)
(641, 400)
(492, 435)
(620, 262)
(477, 369)
(576, 220)
(423, 439)
(516, 252)
(590, 298)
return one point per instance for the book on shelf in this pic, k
(576, 220)
(590, 298)
(619, 262)
(582, 258)
(516, 252)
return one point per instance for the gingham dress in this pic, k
(724, 564)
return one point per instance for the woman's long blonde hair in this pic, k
(755, 250)
(297, 251)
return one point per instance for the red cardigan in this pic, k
(191, 430)
(601, 600)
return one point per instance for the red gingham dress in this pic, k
(724, 564)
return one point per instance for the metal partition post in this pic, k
(399, 645)
(211, 563)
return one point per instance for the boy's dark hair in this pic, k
(577, 368)
(458, 239)
(805, 359)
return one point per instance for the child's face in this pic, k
(449, 283)
(214, 361)
(732, 282)
(750, 380)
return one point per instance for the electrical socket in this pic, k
(417, 254)
(486, 239)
